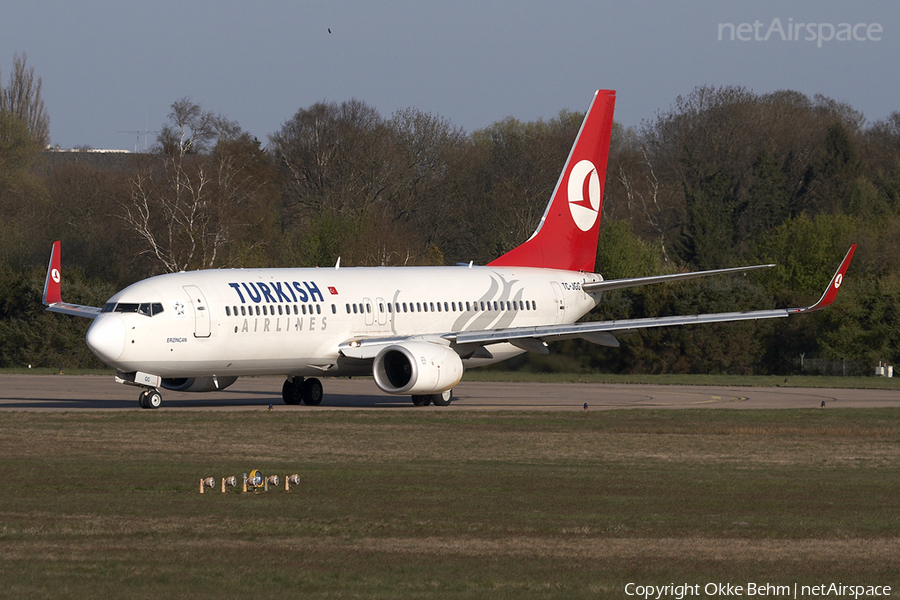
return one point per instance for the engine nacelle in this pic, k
(417, 368)
(196, 384)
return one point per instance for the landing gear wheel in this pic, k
(311, 392)
(154, 399)
(442, 399)
(423, 400)
(150, 399)
(290, 391)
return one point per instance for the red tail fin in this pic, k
(566, 237)
(52, 293)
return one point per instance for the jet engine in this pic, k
(417, 368)
(197, 384)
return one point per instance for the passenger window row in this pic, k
(365, 307)
(266, 310)
(398, 307)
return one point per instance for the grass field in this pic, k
(430, 504)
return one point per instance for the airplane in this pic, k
(415, 329)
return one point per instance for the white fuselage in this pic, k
(238, 322)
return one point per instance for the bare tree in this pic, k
(22, 98)
(642, 197)
(190, 202)
(520, 169)
(425, 153)
(334, 157)
(191, 130)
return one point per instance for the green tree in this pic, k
(23, 196)
(709, 230)
(806, 251)
(622, 254)
(29, 335)
(83, 215)
(767, 195)
(837, 171)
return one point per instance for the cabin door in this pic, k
(201, 311)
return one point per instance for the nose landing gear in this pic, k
(149, 383)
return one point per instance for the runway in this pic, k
(94, 392)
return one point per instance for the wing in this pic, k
(600, 332)
(594, 331)
(53, 292)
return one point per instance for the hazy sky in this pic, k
(110, 67)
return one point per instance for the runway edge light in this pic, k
(228, 482)
(254, 480)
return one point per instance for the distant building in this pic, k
(114, 160)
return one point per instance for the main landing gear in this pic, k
(150, 399)
(297, 389)
(309, 391)
(442, 399)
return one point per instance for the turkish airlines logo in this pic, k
(838, 281)
(55, 275)
(584, 194)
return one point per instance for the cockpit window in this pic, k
(148, 309)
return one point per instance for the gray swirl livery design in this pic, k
(415, 329)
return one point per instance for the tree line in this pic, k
(725, 177)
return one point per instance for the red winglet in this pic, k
(833, 287)
(52, 292)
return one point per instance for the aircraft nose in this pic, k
(106, 337)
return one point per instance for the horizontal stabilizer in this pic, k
(75, 310)
(53, 290)
(617, 284)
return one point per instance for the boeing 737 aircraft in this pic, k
(416, 329)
